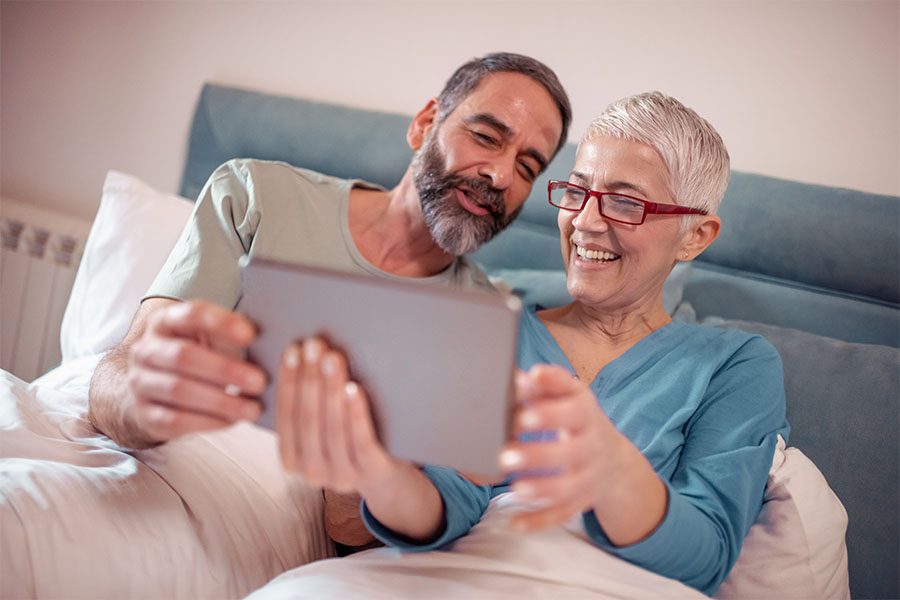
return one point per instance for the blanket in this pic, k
(207, 516)
(492, 561)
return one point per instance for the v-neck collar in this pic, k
(551, 352)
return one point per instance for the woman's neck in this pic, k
(591, 338)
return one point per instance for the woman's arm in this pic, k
(714, 494)
(592, 465)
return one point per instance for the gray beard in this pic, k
(455, 230)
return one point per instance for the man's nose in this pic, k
(500, 171)
(590, 219)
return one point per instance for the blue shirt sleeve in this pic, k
(716, 491)
(464, 505)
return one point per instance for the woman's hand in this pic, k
(582, 463)
(326, 434)
(324, 425)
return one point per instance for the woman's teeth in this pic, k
(598, 255)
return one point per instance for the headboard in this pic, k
(820, 259)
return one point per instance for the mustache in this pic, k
(487, 195)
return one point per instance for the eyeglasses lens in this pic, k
(623, 208)
(564, 196)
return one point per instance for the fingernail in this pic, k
(351, 390)
(511, 459)
(292, 357)
(521, 380)
(529, 419)
(312, 351)
(160, 415)
(524, 386)
(329, 365)
(232, 390)
(243, 330)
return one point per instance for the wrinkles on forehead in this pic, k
(611, 164)
(621, 186)
(507, 133)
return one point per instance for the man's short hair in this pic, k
(466, 78)
(691, 149)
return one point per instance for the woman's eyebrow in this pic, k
(627, 185)
(580, 177)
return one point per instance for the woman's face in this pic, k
(629, 263)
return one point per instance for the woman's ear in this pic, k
(422, 124)
(702, 233)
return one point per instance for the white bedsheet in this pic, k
(208, 516)
(491, 562)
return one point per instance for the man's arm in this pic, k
(343, 523)
(177, 371)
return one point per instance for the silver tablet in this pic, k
(437, 363)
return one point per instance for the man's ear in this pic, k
(704, 232)
(422, 124)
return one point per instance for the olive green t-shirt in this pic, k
(273, 210)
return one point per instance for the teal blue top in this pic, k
(704, 405)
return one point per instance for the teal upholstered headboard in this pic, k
(791, 255)
(820, 259)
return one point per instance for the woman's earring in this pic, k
(684, 256)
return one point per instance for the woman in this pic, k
(659, 434)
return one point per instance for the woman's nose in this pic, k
(590, 219)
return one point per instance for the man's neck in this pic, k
(388, 230)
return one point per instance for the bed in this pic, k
(212, 516)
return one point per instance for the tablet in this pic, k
(437, 363)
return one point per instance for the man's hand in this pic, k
(182, 373)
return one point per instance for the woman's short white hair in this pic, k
(691, 149)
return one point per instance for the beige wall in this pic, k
(802, 90)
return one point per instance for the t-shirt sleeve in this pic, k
(464, 505)
(716, 491)
(205, 262)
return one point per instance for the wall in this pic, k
(802, 90)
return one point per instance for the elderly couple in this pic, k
(665, 431)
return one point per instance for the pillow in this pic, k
(130, 239)
(547, 288)
(796, 548)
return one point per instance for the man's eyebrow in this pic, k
(491, 121)
(507, 132)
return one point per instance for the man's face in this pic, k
(475, 169)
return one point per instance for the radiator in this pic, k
(39, 255)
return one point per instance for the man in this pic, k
(478, 148)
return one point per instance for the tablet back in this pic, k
(437, 364)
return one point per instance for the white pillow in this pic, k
(796, 548)
(132, 235)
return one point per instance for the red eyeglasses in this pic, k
(615, 207)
